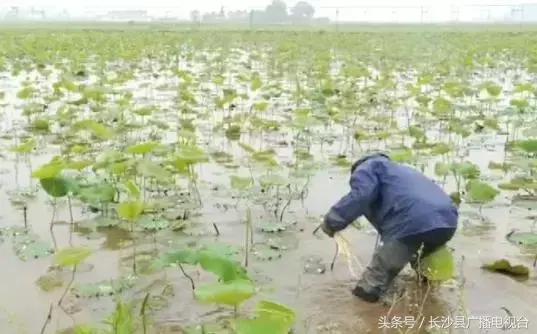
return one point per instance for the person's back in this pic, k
(408, 202)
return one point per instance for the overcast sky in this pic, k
(349, 8)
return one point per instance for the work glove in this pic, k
(327, 230)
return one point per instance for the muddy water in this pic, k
(323, 301)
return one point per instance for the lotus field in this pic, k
(168, 180)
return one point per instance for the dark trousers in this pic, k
(390, 258)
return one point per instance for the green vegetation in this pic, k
(188, 158)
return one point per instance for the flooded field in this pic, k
(170, 181)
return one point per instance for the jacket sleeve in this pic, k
(364, 188)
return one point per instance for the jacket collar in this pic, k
(368, 157)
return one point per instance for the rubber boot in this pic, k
(369, 297)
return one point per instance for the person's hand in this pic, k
(327, 230)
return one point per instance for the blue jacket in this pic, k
(397, 200)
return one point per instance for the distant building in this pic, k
(21, 13)
(127, 15)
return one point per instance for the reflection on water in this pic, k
(114, 237)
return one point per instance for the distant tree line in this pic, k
(275, 12)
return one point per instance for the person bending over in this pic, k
(408, 210)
